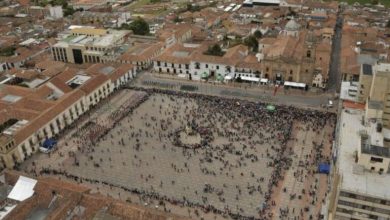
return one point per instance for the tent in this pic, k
(23, 189)
(220, 77)
(324, 168)
(204, 75)
(48, 145)
(270, 108)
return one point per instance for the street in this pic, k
(260, 93)
(334, 82)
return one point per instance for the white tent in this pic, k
(23, 189)
(227, 77)
(295, 84)
(264, 80)
(252, 79)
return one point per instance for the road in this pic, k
(334, 82)
(292, 97)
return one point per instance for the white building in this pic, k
(88, 45)
(361, 181)
(190, 60)
(56, 12)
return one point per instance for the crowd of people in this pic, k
(235, 120)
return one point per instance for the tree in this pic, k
(7, 51)
(177, 19)
(374, 2)
(193, 8)
(214, 50)
(252, 43)
(139, 26)
(258, 34)
(388, 24)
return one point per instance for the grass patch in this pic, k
(363, 2)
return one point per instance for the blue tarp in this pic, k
(49, 143)
(324, 168)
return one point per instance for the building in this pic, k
(362, 159)
(50, 198)
(374, 91)
(22, 55)
(88, 45)
(87, 4)
(295, 55)
(360, 186)
(56, 12)
(251, 3)
(141, 55)
(32, 115)
(105, 19)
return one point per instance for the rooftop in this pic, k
(51, 197)
(11, 98)
(383, 67)
(365, 182)
(367, 69)
(92, 37)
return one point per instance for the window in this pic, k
(197, 65)
(187, 66)
(217, 67)
(307, 71)
(158, 63)
(207, 66)
(228, 69)
(291, 72)
(266, 69)
(308, 54)
(376, 160)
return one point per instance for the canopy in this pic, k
(295, 84)
(23, 189)
(220, 77)
(264, 80)
(324, 168)
(252, 79)
(204, 75)
(227, 77)
(49, 143)
(270, 108)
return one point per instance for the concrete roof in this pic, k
(369, 183)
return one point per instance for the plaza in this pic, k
(229, 157)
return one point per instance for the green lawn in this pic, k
(383, 2)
